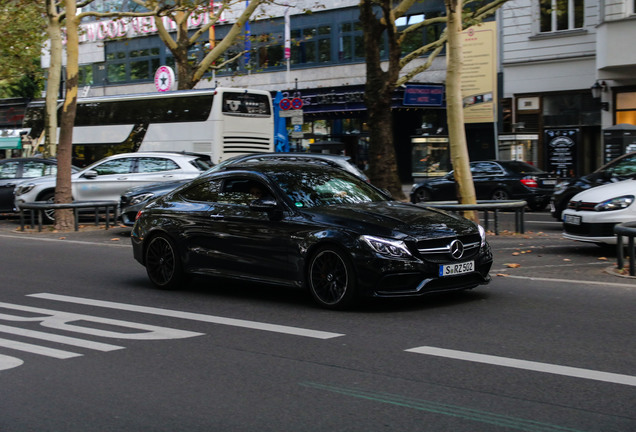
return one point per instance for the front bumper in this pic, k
(413, 278)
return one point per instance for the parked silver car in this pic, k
(109, 177)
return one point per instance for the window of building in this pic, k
(311, 45)
(86, 75)
(351, 42)
(126, 63)
(559, 15)
(626, 108)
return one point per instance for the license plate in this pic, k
(572, 219)
(549, 182)
(455, 269)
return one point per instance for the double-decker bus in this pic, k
(222, 122)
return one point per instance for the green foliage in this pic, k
(23, 32)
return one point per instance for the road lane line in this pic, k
(98, 346)
(36, 349)
(527, 365)
(297, 331)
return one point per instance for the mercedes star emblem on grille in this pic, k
(456, 249)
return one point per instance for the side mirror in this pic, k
(90, 174)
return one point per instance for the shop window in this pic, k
(559, 15)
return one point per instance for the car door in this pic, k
(487, 179)
(105, 181)
(234, 240)
(9, 172)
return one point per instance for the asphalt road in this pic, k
(87, 345)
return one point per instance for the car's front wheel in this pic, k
(500, 195)
(331, 278)
(48, 215)
(421, 195)
(162, 263)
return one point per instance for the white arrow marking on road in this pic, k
(36, 349)
(297, 331)
(60, 339)
(528, 365)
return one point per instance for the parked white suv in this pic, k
(108, 178)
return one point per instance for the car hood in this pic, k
(393, 219)
(607, 191)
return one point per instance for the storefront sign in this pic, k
(424, 95)
(561, 151)
(164, 79)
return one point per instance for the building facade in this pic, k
(550, 53)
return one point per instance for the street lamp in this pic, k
(597, 90)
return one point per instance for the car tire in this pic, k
(500, 195)
(421, 195)
(48, 216)
(331, 278)
(163, 264)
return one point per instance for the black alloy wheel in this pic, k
(500, 195)
(162, 263)
(331, 278)
(421, 195)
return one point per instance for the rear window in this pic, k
(202, 164)
(522, 168)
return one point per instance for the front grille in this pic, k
(581, 206)
(590, 230)
(439, 250)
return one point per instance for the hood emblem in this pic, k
(456, 249)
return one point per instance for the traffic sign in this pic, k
(285, 104)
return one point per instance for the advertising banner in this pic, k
(561, 149)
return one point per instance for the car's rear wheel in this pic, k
(421, 195)
(331, 278)
(163, 264)
(500, 195)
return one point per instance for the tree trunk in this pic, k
(379, 88)
(63, 192)
(455, 109)
(54, 29)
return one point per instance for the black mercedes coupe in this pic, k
(309, 226)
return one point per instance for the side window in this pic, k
(37, 169)
(626, 166)
(479, 169)
(117, 166)
(241, 191)
(150, 164)
(207, 191)
(8, 170)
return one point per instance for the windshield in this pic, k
(318, 188)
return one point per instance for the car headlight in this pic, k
(141, 198)
(21, 190)
(387, 247)
(617, 203)
(482, 234)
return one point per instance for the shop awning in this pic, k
(10, 143)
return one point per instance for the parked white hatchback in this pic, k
(108, 178)
(591, 215)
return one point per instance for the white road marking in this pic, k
(72, 322)
(8, 362)
(36, 349)
(98, 346)
(528, 365)
(297, 331)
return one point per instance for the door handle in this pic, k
(122, 178)
(216, 216)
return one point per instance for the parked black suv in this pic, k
(621, 168)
